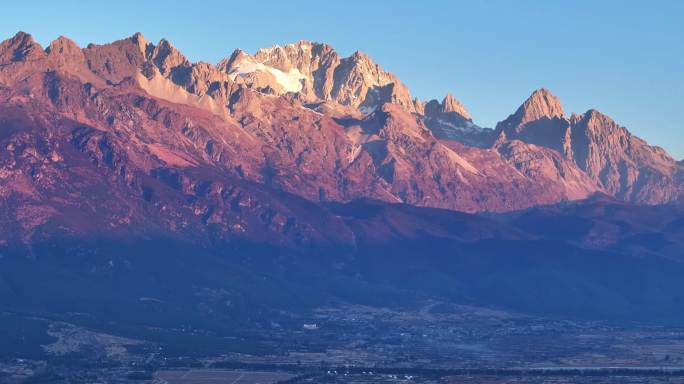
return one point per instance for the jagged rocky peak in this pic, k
(227, 63)
(166, 57)
(304, 56)
(620, 163)
(359, 81)
(140, 41)
(259, 73)
(595, 118)
(318, 73)
(625, 165)
(21, 47)
(449, 120)
(539, 120)
(162, 65)
(300, 55)
(64, 46)
(64, 52)
(541, 103)
(448, 105)
(118, 60)
(600, 129)
(419, 106)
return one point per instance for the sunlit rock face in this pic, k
(138, 124)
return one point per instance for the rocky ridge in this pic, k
(154, 126)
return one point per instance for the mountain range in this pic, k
(120, 160)
(328, 128)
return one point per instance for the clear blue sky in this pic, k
(624, 58)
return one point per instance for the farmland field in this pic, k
(217, 376)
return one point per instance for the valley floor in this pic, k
(439, 343)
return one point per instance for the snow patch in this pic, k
(290, 81)
(467, 126)
(367, 110)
